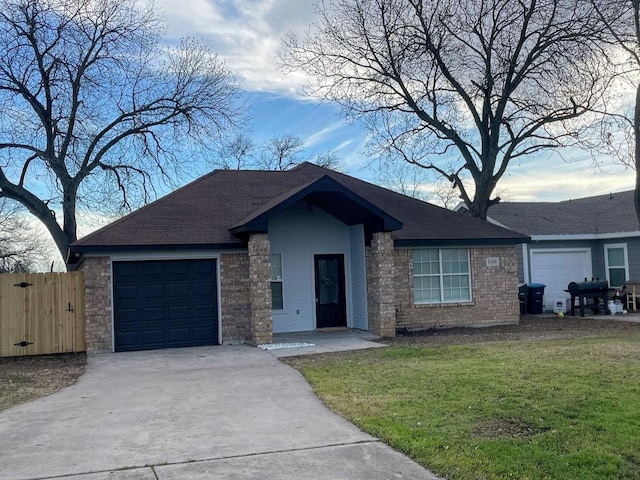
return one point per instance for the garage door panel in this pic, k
(203, 311)
(160, 304)
(556, 269)
(150, 269)
(127, 270)
(154, 337)
(153, 291)
(180, 312)
(177, 290)
(126, 292)
(126, 339)
(179, 335)
(202, 333)
(203, 289)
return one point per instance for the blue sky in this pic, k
(248, 33)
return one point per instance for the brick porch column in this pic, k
(380, 286)
(261, 321)
(97, 304)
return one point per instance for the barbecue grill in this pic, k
(595, 289)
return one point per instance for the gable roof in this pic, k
(329, 195)
(216, 209)
(590, 216)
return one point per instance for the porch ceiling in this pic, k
(329, 195)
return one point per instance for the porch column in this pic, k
(261, 322)
(380, 286)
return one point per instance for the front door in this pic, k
(331, 306)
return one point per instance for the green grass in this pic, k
(540, 410)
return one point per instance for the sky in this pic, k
(247, 35)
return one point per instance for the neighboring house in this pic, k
(593, 237)
(236, 256)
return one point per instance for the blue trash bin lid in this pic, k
(537, 285)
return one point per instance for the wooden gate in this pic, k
(41, 313)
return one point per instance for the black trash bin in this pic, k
(523, 291)
(534, 298)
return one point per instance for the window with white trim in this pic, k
(441, 275)
(277, 294)
(616, 264)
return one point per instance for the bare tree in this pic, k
(479, 84)
(416, 182)
(624, 36)
(282, 152)
(403, 178)
(21, 248)
(236, 154)
(95, 109)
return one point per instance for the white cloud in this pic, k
(247, 34)
(562, 181)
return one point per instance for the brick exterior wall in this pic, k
(97, 298)
(261, 320)
(380, 285)
(234, 301)
(494, 294)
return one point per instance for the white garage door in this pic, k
(557, 268)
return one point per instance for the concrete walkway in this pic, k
(318, 341)
(197, 413)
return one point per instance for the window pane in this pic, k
(276, 266)
(615, 257)
(328, 281)
(426, 289)
(617, 277)
(426, 262)
(456, 288)
(455, 260)
(441, 275)
(277, 302)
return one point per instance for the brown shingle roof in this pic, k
(202, 212)
(610, 213)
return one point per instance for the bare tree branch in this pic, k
(477, 84)
(95, 109)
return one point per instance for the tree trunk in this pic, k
(636, 132)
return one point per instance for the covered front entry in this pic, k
(331, 305)
(164, 304)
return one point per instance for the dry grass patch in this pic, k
(23, 379)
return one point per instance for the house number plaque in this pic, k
(493, 262)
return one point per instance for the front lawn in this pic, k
(565, 409)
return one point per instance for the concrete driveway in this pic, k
(196, 413)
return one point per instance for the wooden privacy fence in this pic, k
(41, 313)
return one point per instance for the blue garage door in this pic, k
(164, 304)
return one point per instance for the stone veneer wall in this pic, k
(260, 289)
(97, 297)
(494, 294)
(234, 301)
(380, 285)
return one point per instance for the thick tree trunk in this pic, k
(636, 131)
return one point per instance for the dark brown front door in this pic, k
(331, 307)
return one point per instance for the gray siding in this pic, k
(358, 276)
(633, 250)
(298, 234)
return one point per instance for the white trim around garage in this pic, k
(166, 255)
